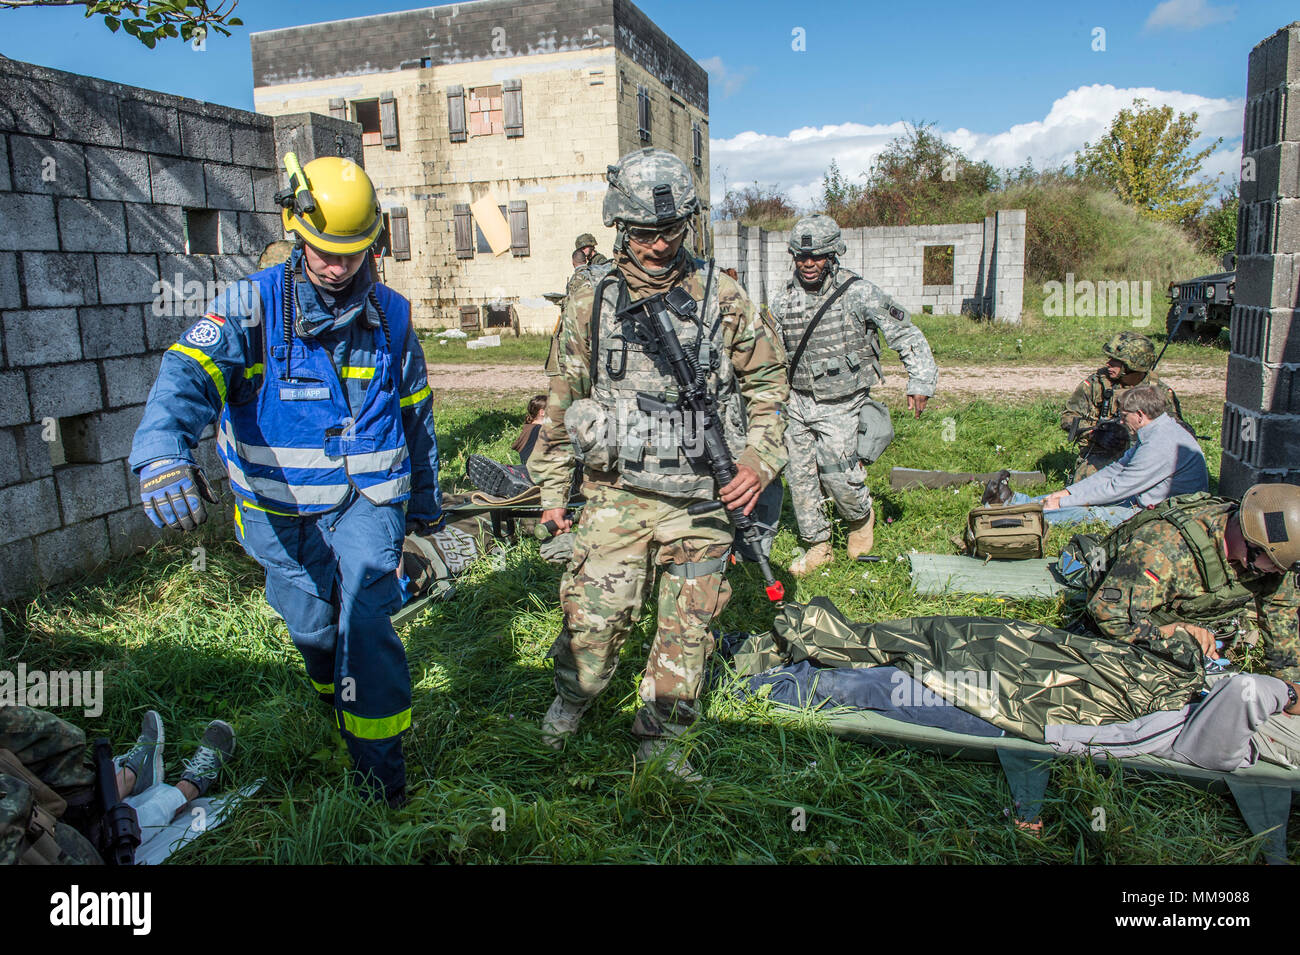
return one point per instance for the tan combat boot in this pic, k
(674, 761)
(862, 536)
(561, 721)
(814, 557)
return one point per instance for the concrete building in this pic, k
(487, 129)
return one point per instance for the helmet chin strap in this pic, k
(831, 262)
(622, 245)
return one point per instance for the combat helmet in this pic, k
(649, 188)
(816, 235)
(584, 240)
(1270, 519)
(1134, 350)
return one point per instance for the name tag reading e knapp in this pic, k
(288, 393)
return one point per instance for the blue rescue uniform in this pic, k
(326, 432)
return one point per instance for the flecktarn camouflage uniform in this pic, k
(834, 377)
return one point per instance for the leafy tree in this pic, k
(151, 20)
(756, 205)
(1145, 158)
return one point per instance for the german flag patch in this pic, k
(216, 318)
(1151, 577)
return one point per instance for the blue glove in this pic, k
(173, 492)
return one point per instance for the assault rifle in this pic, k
(698, 410)
(119, 831)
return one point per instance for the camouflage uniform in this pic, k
(52, 750)
(625, 525)
(1156, 573)
(1095, 398)
(838, 369)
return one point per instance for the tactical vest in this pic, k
(1219, 608)
(295, 446)
(843, 356)
(657, 453)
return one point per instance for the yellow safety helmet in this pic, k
(331, 205)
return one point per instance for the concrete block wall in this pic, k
(988, 263)
(1261, 415)
(96, 180)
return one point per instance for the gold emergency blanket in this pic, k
(1020, 676)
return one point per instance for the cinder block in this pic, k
(254, 146)
(205, 138)
(10, 471)
(130, 533)
(71, 553)
(228, 230)
(5, 183)
(34, 452)
(26, 107)
(41, 336)
(48, 166)
(228, 187)
(1271, 335)
(27, 510)
(1277, 173)
(109, 330)
(150, 128)
(59, 278)
(1269, 441)
(18, 570)
(60, 391)
(257, 231)
(1282, 52)
(127, 279)
(14, 408)
(127, 380)
(177, 182)
(1254, 386)
(232, 268)
(1236, 477)
(9, 295)
(1268, 281)
(102, 436)
(91, 490)
(87, 225)
(84, 114)
(155, 228)
(118, 174)
(265, 185)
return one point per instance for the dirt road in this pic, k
(972, 380)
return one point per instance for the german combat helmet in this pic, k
(330, 204)
(1270, 519)
(584, 240)
(1134, 350)
(816, 235)
(649, 188)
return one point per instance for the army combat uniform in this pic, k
(838, 368)
(638, 485)
(1095, 398)
(1155, 580)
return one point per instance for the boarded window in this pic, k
(469, 318)
(339, 108)
(388, 121)
(383, 242)
(643, 113)
(484, 111)
(518, 227)
(400, 233)
(936, 265)
(366, 112)
(481, 243)
(456, 113)
(512, 94)
(697, 145)
(464, 227)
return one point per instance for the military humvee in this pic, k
(1204, 304)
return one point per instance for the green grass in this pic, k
(202, 645)
(520, 349)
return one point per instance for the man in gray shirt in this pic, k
(1164, 461)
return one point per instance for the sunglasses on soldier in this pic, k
(650, 236)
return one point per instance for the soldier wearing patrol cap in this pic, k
(1094, 406)
(316, 380)
(831, 319)
(1218, 570)
(638, 476)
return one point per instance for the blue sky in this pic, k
(1004, 80)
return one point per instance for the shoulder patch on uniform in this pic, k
(219, 319)
(204, 332)
(1151, 575)
(897, 313)
(1111, 593)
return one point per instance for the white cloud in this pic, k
(1187, 15)
(797, 161)
(721, 75)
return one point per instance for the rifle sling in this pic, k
(803, 342)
